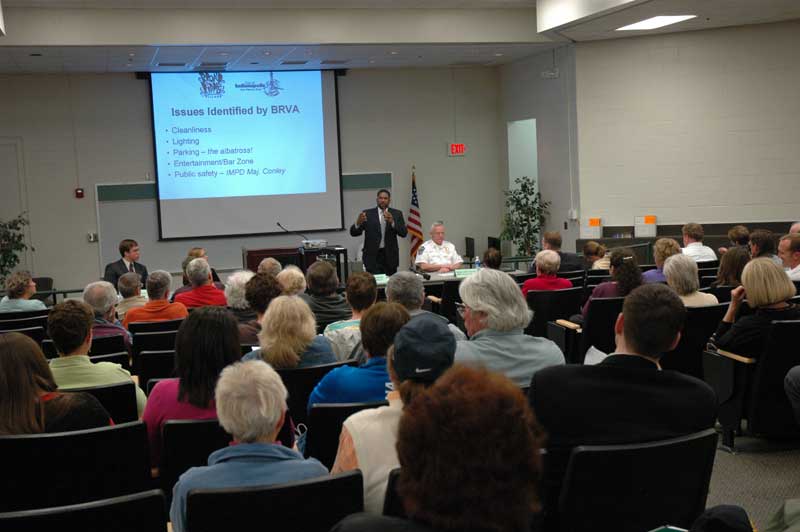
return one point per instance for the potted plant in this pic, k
(12, 243)
(525, 216)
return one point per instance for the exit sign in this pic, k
(456, 149)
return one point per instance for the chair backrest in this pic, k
(122, 358)
(450, 297)
(154, 326)
(708, 264)
(300, 383)
(551, 305)
(576, 277)
(702, 271)
(23, 323)
(151, 384)
(187, 443)
(707, 280)
(46, 470)
(325, 425)
(119, 399)
(522, 277)
(36, 334)
(155, 365)
(104, 345)
(392, 502)
(140, 512)
(722, 292)
(49, 349)
(310, 505)
(44, 290)
(153, 341)
(21, 314)
(770, 412)
(637, 487)
(687, 357)
(598, 328)
(599, 272)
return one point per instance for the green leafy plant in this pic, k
(12, 243)
(525, 216)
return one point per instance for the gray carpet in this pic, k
(758, 478)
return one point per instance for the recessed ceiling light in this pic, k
(267, 53)
(498, 54)
(656, 22)
(223, 54)
(371, 61)
(394, 52)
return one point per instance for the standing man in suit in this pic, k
(129, 250)
(382, 226)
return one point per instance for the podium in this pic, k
(300, 257)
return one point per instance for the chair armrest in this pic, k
(569, 325)
(734, 356)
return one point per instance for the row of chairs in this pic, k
(663, 482)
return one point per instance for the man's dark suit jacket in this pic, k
(372, 239)
(115, 270)
(570, 262)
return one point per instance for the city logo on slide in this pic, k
(272, 88)
(211, 84)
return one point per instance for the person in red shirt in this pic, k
(203, 292)
(547, 264)
(158, 307)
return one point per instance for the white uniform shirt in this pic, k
(432, 253)
(699, 252)
(794, 273)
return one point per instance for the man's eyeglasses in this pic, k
(460, 308)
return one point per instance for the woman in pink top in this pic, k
(547, 264)
(207, 341)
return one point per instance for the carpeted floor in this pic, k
(758, 478)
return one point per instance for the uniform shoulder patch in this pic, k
(420, 250)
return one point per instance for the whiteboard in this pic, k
(138, 219)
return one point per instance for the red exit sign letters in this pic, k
(456, 149)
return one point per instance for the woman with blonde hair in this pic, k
(292, 281)
(663, 249)
(288, 336)
(767, 289)
(595, 256)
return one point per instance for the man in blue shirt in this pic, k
(370, 382)
(251, 405)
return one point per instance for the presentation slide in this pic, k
(237, 152)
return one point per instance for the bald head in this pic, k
(795, 228)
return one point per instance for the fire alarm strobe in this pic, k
(79, 193)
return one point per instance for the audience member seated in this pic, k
(102, 297)
(469, 454)
(129, 287)
(762, 245)
(570, 262)
(19, 289)
(739, 236)
(495, 314)
(693, 243)
(200, 253)
(327, 305)
(731, 266)
(158, 307)
(423, 349)
(594, 256)
(681, 273)
(187, 285)
(626, 398)
(767, 289)
(791, 385)
(207, 341)
(269, 265)
(30, 402)
(259, 291)
(289, 338)
(345, 335)
(662, 250)
(492, 258)
(292, 280)
(251, 404)
(547, 264)
(69, 325)
(406, 288)
(795, 228)
(129, 251)
(625, 275)
(789, 252)
(369, 382)
(235, 295)
(203, 292)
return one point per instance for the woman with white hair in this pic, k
(251, 406)
(235, 294)
(547, 264)
(495, 314)
(681, 273)
(289, 338)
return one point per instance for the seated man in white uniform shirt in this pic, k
(693, 243)
(437, 254)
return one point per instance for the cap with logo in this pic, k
(424, 348)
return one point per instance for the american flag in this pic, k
(414, 218)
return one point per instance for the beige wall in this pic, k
(80, 130)
(699, 126)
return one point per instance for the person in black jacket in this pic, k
(382, 226)
(570, 262)
(129, 251)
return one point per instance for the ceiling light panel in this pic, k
(656, 22)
